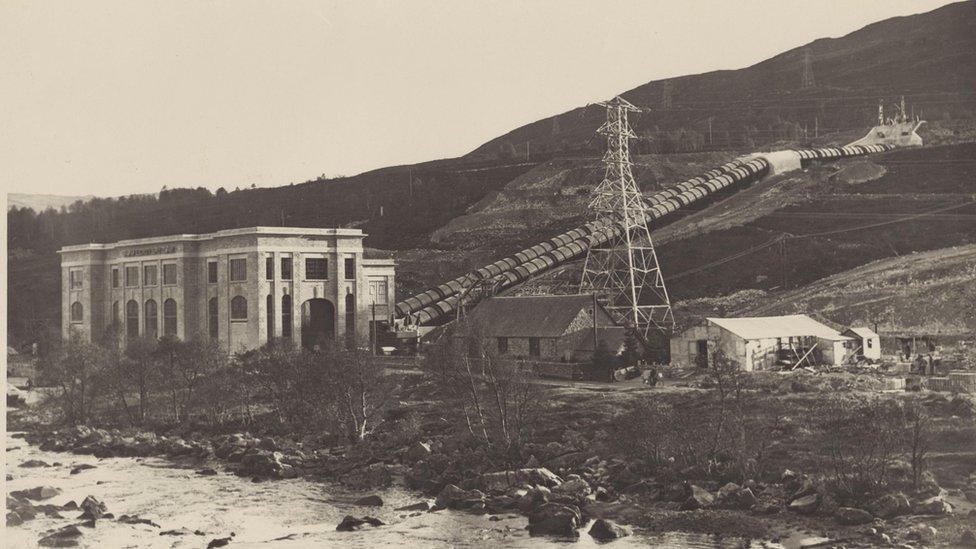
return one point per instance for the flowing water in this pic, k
(285, 513)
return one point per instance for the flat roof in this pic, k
(765, 327)
(269, 231)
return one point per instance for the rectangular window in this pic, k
(870, 343)
(269, 268)
(316, 268)
(211, 272)
(534, 349)
(238, 270)
(75, 279)
(115, 277)
(503, 345)
(169, 273)
(378, 291)
(131, 276)
(149, 275)
(286, 268)
(350, 268)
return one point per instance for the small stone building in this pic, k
(761, 343)
(555, 328)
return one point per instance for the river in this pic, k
(284, 513)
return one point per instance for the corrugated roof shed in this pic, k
(762, 327)
(530, 316)
(864, 332)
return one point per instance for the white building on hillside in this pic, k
(762, 343)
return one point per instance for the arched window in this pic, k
(213, 316)
(286, 316)
(169, 317)
(132, 318)
(271, 315)
(238, 308)
(77, 312)
(152, 319)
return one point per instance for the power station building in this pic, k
(241, 287)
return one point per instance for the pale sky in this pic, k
(112, 98)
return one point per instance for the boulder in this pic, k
(890, 506)
(369, 501)
(14, 519)
(134, 519)
(606, 530)
(503, 480)
(261, 462)
(207, 472)
(417, 451)
(184, 531)
(65, 537)
(577, 488)
(351, 524)
(80, 468)
(269, 444)
(804, 487)
(38, 493)
(700, 498)
(602, 494)
(452, 497)
(419, 506)
(531, 499)
(805, 505)
(555, 519)
(532, 462)
(372, 476)
(934, 506)
(287, 471)
(851, 515)
(35, 463)
(220, 542)
(92, 509)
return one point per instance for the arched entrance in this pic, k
(318, 323)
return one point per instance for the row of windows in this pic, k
(151, 317)
(150, 276)
(535, 349)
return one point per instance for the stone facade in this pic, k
(122, 283)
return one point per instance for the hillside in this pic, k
(929, 58)
(447, 216)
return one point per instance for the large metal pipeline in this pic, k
(438, 302)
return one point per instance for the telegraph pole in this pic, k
(624, 272)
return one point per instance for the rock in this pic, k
(890, 506)
(351, 523)
(14, 519)
(606, 530)
(35, 463)
(733, 496)
(417, 451)
(967, 539)
(220, 542)
(934, 506)
(804, 487)
(532, 462)
(65, 537)
(9, 477)
(70, 506)
(37, 493)
(555, 519)
(372, 476)
(805, 505)
(419, 506)
(133, 519)
(287, 471)
(80, 468)
(851, 515)
(177, 532)
(494, 518)
(577, 488)
(676, 491)
(700, 498)
(92, 509)
(269, 444)
(452, 497)
(602, 494)
(207, 472)
(260, 462)
(503, 480)
(370, 501)
(531, 499)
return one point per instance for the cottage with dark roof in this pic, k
(556, 328)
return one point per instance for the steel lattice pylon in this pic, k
(624, 272)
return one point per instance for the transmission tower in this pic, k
(807, 81)
(624, 272)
